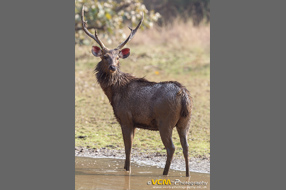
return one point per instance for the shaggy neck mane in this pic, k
(113, 83)
(117, 79)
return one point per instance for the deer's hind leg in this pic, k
(183, 130)
(166, 136)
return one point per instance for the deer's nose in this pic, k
(112, 67)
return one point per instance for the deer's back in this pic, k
(146, 103)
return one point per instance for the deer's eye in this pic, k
(105, 57)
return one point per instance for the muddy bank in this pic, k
(201, 165)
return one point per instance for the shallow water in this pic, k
(108, 173)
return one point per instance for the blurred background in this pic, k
(112, 16)
(173, 43)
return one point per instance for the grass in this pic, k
(179, 52)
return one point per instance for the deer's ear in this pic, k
(124, 53)
(96, 51)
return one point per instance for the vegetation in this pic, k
(197, 10)
(111, 16)
(177, 52)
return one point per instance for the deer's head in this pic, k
(110, 57)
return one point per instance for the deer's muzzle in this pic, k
(112, 67)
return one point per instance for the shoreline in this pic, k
(201, 165)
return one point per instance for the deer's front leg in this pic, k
(128, 134)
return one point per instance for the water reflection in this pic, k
(108, 173)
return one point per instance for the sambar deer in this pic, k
(139, 103)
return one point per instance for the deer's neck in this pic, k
(112, 83)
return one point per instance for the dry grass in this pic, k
(179, 34)
(179, 52)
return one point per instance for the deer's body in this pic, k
(139, 103)
(144, 103)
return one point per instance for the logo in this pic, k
(176, 182)
(160, 182)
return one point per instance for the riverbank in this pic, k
(201, 165)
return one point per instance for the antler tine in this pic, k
(88, 33)
(133, 32)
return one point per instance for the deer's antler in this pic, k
(133, 31)
(88, 33)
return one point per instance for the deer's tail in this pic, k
(186, 101)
